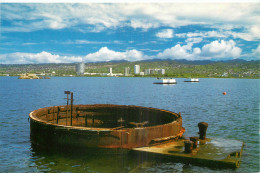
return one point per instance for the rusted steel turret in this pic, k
(104, 126)
(202, 129)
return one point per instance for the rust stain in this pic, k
(105, 125)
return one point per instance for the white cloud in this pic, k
(30, 17)
(256, 52)
(194, 40)
(177, 52)
(215, 49)
(251, 33)
(202, 34)
(105, 54)
(34, 58)
(166, 33)
(222, 49)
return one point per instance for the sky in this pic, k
(32, 33)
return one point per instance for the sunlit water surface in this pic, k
(231, 116)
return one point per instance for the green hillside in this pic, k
(234, 68)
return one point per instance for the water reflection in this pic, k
(62, 159)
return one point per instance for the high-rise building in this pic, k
(137, 69)
(127, 71)
(147, 71)
(80, 68)
(161, 71)
(110, 70)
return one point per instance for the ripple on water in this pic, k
(235, 116)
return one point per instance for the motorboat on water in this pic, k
(165, 81)
(192, 80)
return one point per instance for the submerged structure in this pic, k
(139, 129)
(104, 126)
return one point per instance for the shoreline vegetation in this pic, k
(173, 69)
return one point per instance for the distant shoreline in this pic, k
(144, 77)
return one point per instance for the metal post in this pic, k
(71, 104)
(67, 112)
(188, 146)
(202, 129)
(53, 111)
(67, 109)
(58, 115)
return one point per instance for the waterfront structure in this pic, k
(137, 69)
(127, 71)
(80, 68)
(120, 127)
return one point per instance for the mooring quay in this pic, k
(135, 128)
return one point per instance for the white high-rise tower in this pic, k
(137, 69)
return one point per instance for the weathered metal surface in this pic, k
(221, 153)
(202, 129)
(105, 126)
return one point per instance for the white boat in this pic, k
(192, 80)
(165, 81)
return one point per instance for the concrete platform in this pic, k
(221, 153)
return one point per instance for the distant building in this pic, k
(152, 71)
(80, 68)
(110, 72)
(137, 69)
(147, 71)
(161, 71)
(127, 71)
(141, 73)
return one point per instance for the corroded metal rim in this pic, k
(48, 126)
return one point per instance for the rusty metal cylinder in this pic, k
(188, 146)
(202, 129)
(195, 141)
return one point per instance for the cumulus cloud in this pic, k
(256, 52)
(215, 49)
(105, 54)
(177, 52)
(166, 33)
(35, 58)
(222, 49)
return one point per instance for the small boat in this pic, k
(165, 81)
(192, 80)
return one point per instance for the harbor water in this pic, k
(231, 116)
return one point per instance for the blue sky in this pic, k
(90, 32)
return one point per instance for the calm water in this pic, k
(233, 116)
